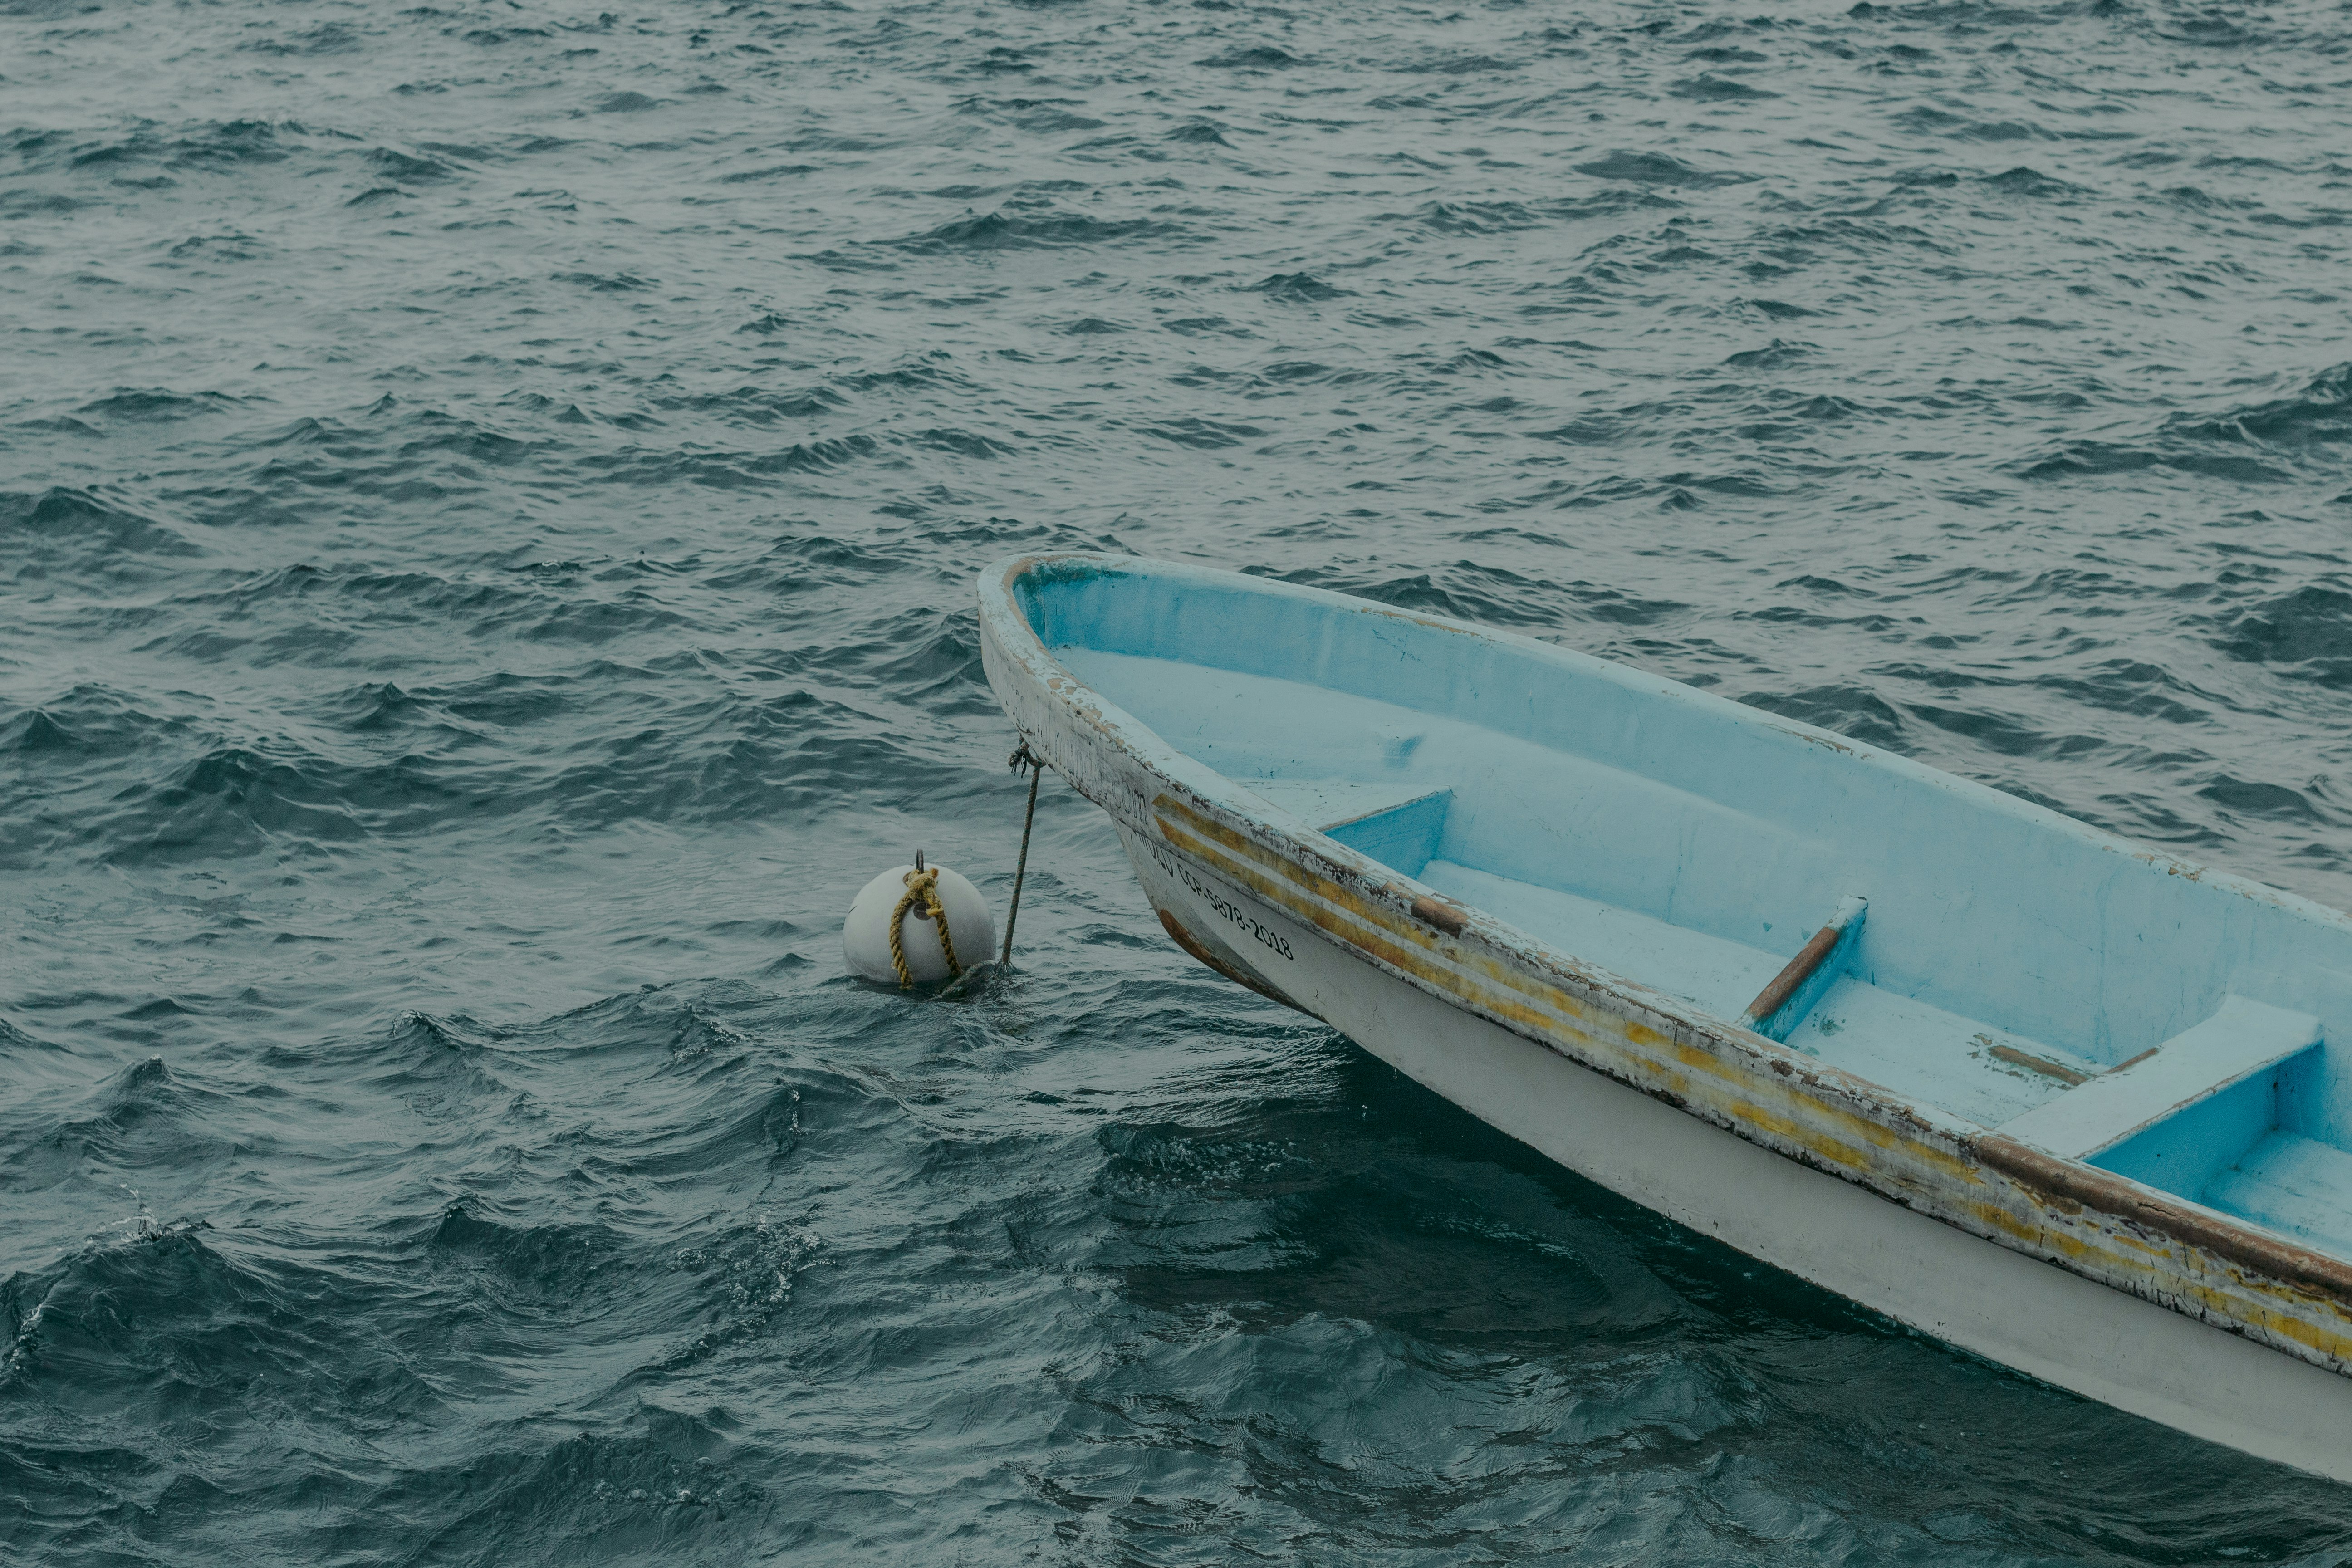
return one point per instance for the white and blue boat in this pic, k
(2068, 1102)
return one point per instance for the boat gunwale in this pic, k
(2059, 1194)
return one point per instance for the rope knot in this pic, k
(923, 897)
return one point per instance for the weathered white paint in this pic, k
(1546, 785)
(2008, 1308)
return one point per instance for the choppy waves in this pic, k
(487, 507)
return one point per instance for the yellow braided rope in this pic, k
(922, 887)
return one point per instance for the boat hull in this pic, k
(2090, 1280)
(1968, 1291)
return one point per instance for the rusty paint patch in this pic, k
(1434, 910)
(1795, 973)
(2045, 1065)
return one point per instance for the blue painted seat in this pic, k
(2199, 1115)
(2178, 1113)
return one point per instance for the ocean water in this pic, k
(489, 495)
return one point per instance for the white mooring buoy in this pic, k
(898, 894)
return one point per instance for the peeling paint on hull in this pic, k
(2166, 1309)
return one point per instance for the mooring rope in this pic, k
(923, 890)
(1022, 758)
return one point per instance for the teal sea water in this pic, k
(488, 500)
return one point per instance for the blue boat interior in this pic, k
(1957, 946)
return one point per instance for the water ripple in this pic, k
(489, 506)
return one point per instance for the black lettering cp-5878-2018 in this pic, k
(1274, 941)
